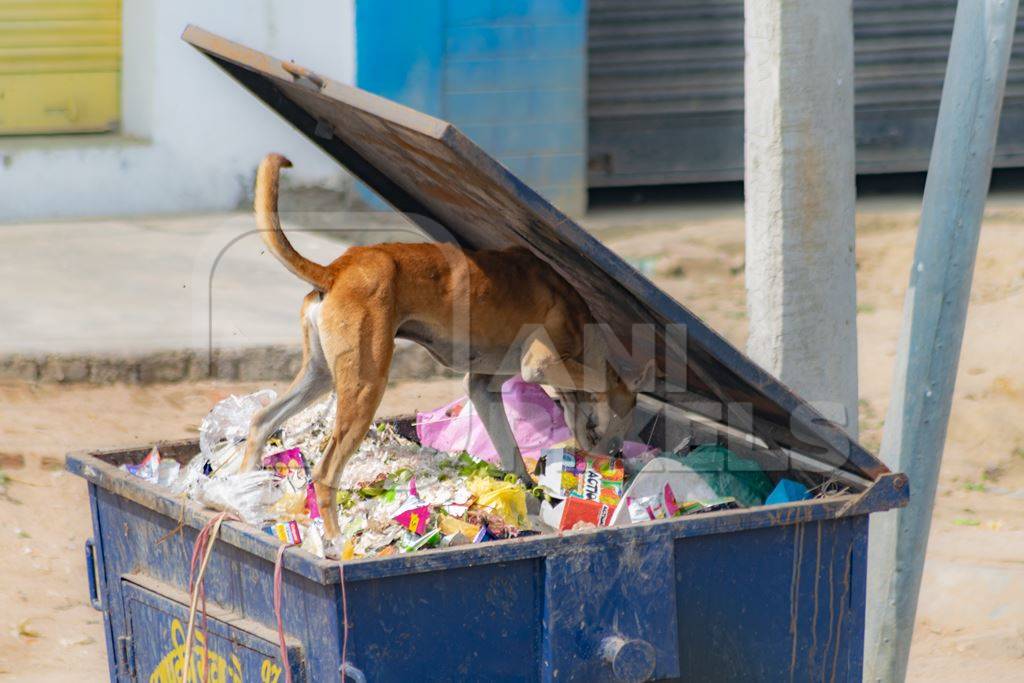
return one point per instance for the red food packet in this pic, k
(583, 510)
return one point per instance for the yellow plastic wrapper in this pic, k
(507, 499)
(290, 506)
(450, 525)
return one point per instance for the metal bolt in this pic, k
(632, 660)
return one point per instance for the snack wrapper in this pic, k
(582, 510)
(671, 504)
(413, 516)
(647, 508)
(290, 468)
(148, 469)
(311, 505)
(591, 477)
(293, 477)
(286, 532)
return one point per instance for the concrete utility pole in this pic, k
(800, 195)
(933, 326)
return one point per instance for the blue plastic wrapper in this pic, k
(787, 491)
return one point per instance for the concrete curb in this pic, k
(267, 363)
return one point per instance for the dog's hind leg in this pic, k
(488, 404)
(312, 382)
(361, 352)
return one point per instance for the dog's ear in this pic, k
(621, 399)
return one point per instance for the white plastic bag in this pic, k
(249, 495)
(229, 420)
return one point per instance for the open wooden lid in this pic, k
(454, 191)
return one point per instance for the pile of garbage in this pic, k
(397, 495)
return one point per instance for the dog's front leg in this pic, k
(489, 406)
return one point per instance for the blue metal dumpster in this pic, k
(757, 594)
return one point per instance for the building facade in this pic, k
(104, 111)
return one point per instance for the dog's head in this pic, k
(601, 419)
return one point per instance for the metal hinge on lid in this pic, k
(304, 76)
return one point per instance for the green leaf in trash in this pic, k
(344, 499)
(464, 461)
(371, 491)
(389, 495)
(966, 521)
(471, 467)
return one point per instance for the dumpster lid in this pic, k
(455, 192)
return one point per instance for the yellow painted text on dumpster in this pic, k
(222, 669)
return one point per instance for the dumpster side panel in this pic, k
(136, 541)
(101, 576)
(473, 623)
(775, 604)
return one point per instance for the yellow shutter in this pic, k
(60, 66)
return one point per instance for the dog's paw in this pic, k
(332, 549)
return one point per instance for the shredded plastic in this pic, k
(397, 496)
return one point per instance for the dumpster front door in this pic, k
(234, 649)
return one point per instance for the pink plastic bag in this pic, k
(536, 421)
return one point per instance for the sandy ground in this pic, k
(971, 618)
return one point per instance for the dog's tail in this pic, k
(269, 224)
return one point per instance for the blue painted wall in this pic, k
(511, 74)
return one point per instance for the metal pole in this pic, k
(934, 313)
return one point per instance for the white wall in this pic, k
(191, 137)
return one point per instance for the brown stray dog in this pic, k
(490, 314)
